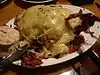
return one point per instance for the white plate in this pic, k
(44, 1)
(90, 40)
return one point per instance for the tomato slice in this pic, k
(73, 48)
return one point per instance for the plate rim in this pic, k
(38, 1)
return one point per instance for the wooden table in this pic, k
(12, 9)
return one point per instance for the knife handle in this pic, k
(3, 65)
(1, 69)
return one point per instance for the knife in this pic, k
(15, 56)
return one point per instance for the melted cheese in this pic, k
(48, 20)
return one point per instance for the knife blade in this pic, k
(15, 56)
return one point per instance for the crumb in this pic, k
(98, 27)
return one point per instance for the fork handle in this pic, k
(94, 57)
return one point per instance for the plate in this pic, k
(90, 40)
(38, 2)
